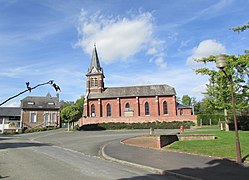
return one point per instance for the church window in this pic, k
(127, 105)
(108, 109)
(93, 110)
(147, 108)
(94, 82)
(165, 107)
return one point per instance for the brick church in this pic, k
(132, 104)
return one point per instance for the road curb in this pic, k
(152, 169)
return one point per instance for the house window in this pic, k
(147, 109)
(165, 107)
(127, 105)
(46, 118)
(54, 117)
(33, 117)
(93, 110)
(108, 109)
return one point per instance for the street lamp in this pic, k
(221, 63)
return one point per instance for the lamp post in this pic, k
(221, 64)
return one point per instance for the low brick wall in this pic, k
(159, 141)
(99, 120)
(183, 137)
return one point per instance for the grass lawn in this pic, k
(224, 146)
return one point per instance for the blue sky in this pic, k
(139, 42)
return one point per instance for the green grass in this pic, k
(224, 146)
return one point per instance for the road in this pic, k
(66, 155)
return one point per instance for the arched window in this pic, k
(147, 108)
(165, 107)
(93, 110)
(108, 110)
(127, 105)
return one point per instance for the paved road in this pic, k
(66, 155)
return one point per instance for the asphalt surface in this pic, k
(100, 155)
(66, 155)
(181, 164)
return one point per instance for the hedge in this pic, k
(243, 121)
(155, 125)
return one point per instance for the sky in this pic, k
(141, 42)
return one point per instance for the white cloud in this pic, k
(118, 39)
(205, 49)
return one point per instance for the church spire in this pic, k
(95, 65)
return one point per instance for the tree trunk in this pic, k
(226, 120)
(68, 126)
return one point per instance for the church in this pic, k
(131, 104)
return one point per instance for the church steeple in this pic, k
(95, 65)
(95, 74)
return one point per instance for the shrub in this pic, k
(155, 125)
(38, 129)
(243, 121)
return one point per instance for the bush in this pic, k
(243, 121)
(38, 129)
(155, 125)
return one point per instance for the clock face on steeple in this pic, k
(94, 70)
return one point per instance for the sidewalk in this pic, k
(181, 164)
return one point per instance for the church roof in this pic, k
(134, 91)
(95, 67)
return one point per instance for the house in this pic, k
(10, 119)
(40, 111)
(133, 104)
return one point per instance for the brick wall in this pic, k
(97, 120)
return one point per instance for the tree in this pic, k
(64, 104)
(70, 114)
(80, 104)
(71, 111)
(186, 100)
(218, 90)
(240, 28)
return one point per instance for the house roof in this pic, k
(181, 106)
(40, 102)
(10, 111)
(133, 91)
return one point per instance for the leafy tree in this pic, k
(241, 28)
(71, 111)
(80, 104)
(218, 89)
(186, 100)
(64, 104)
(70, 114)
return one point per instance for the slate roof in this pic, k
(95, 67)
(181, 106)
(10, 111)
(133, 91)
(40, 102)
